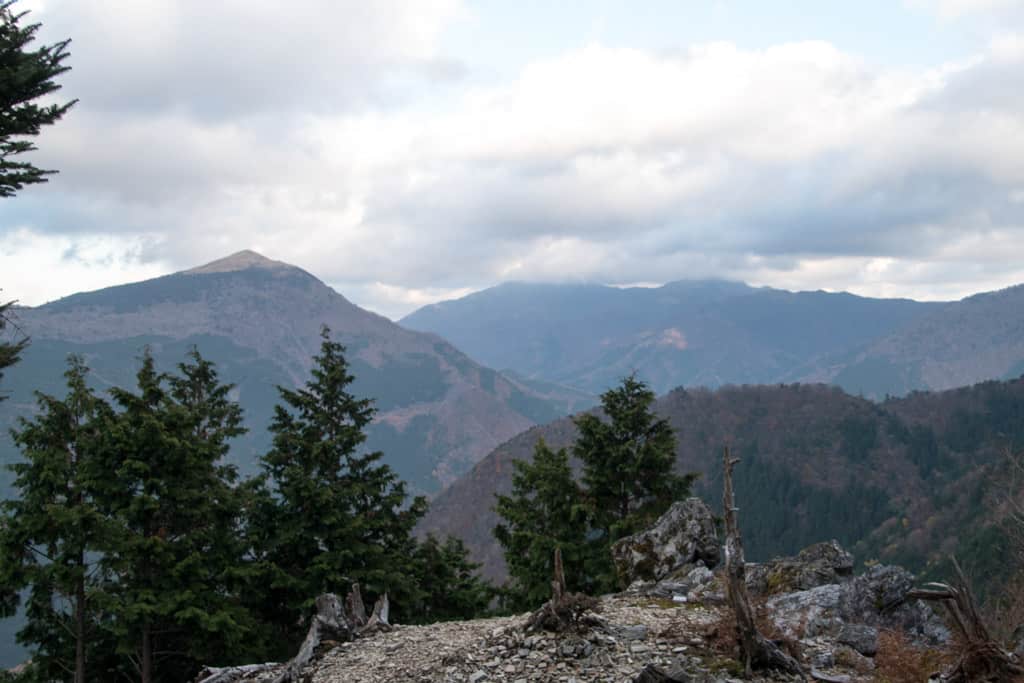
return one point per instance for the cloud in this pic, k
(955, 9)
(333, 138)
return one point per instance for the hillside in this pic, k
(899, 481)
(690, 333)
(978, 338)
(259, 320)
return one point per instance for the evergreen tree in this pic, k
(51, 531)
(449, 586)
(543, 512)
(335, 515)
(627, 462)
(25, 76)
(175, 554)
(9, 350)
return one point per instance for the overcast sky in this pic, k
(406, 152)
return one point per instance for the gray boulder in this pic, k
(817, 565)
(863, 639)
(876, 600)
(684, 535)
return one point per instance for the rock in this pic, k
(1017, 642)
(863, 639)
(821, 676)
(876, 599)
(683, 535)
(637, 632)
(816, 565)
(652, 674)
(477, 676)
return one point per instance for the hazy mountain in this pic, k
(904, 480)
(684, 333)
(978, 338)
(259, 320)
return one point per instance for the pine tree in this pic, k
(25, 76)
(176, 551)
(9, 350)
(543, 512)
(449, 586)
(53, 528)
(627, 462)
(336, 515)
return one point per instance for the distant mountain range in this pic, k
(713, 333)
(905, 481)
(259, 320)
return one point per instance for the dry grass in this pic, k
(898, 661)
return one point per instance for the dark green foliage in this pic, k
(9, 349)
(627, 483)
(50, 532)
(544, 511)
(448, 585)
(336, 516)
(175, 550)
(25, 76)
(859, 436)
(627, 461)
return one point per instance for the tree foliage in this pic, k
(626, 483)
(10, 349)
(26, 76)
(627, 461)
(335, 515)
(544, 511)
(51, 531)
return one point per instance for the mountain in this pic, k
(906, 480)
(978, 338)
(259, 320)
(705, 332)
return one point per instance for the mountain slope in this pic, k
(259, 320)
(684, 333)
(978, 338)
(901, 481)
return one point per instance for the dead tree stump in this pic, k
(564, 610)
(757, 651)
(980, 657)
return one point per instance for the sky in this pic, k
(411, 151)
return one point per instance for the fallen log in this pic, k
(757, 651)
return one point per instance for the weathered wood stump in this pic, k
(757, 651)
(980, 657)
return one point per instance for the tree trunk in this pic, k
(80, 628)
(147, 654)
(757, 651)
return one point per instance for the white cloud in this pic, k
(795, 165)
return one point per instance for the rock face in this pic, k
(853, 611)
(816, 565)
(683, 536)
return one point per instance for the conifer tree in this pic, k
(175, 552)
(543, 512)
(51, 531)
(449, 586)
(627, 461)
(335, 515)
(25, 76)
(9, 349)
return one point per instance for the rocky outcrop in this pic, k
(683, 536)
(816, 565)
(853, 611)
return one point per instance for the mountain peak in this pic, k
(242, 260)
